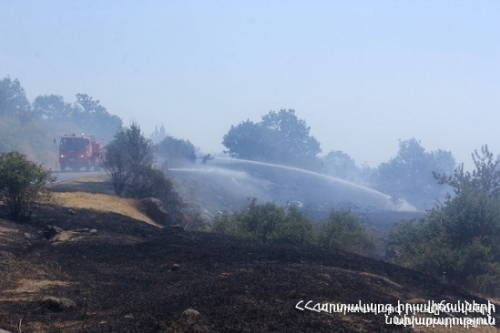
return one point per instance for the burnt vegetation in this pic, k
(117, 274)
(133, 277)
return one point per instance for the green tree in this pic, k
(176, 151)
(13, 99)
(294, 137)
(51, 108)
(93, 118)
(266, 223)
(342, 230)
(341, 165)
(484, 178)
(127, 156)
(462, 236)
(409, 175)
(251, 141)
(280, 137)
(22, 184)
(159, 134)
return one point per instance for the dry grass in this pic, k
(6, 234)
(35, 286)
(103, 203)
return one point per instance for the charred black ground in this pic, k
(132, 277)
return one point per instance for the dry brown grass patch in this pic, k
(35, 286)
(103, 203)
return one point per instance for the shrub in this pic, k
(129, 162)
(150, 182)
(266, 223)
(126, 157)
(22, 184)
(343, 230)
(176, 152)
(460, 238)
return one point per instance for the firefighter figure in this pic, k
(206, 158)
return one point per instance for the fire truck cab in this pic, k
(77, 152)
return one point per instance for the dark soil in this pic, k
(133, 277)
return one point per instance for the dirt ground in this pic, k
(128, 275)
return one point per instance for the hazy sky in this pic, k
(362, 74)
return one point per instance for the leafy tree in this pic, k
(52, 108)
(462, 236)
(129, 162)
(280, 137)
(251, 141)
(13, 99)
(410, 174)
(176, 151)
(93, 118)
(485, 177)
(55, 117)
(343, 230)
(293, 135)
(159, 134)
(127, 156)
(341, 165)
(22, 184)
(266, 223)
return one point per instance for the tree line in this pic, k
(282, 138)
(33, 127)
(86, 113)
(457, 240)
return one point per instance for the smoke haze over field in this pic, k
(362, 74)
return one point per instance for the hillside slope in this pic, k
(131, 276)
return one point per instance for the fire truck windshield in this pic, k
(74, 144)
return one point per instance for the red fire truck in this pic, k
(77, 152)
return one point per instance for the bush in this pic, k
(266, 223)
(343, 230)
(22, 184)
(176, 152)
(126, 158)
(461, 238)
(269, 224)
(129, 162)
(150, 182)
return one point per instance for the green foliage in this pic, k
(176, 152)
(251, 141)
(341, 165)
(270, 224)
(13, 99)
(22, 184)
(343, 230)
(158, 135)
(484, 178)
(32, 129)
(127, 157)
(266, 223)
(52, 108)
(147, 181)
(280, 137)
(460, 239)
(93, 118)
(410, 174)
